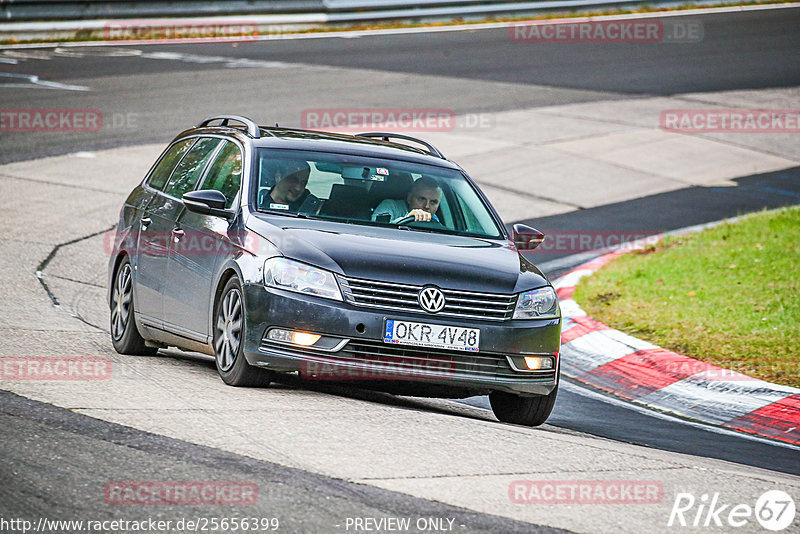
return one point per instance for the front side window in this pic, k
(171, 157)
(370, 191)
(225, 174)
(191, 167)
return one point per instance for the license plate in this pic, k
(431, 335)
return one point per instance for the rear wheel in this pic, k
(124, 334)
(518, 410)
(229, 331)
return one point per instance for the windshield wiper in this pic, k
(294, 214)
(445, 231)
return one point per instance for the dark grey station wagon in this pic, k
(370, 259)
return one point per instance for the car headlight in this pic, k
(291, 275)
(537, 304)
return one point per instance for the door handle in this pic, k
(145, 222)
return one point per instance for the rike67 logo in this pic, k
(774, 510)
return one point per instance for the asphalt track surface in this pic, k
(740, 51)
(90, 453)
(748, 50)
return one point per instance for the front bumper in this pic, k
(364, 357)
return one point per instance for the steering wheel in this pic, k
(405, 221)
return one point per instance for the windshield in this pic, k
(370, 191)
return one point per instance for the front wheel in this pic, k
(124, 335)
(518, 410)
(229, 331)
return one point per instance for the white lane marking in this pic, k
(13, 57)
(95, 52)
(230, 62)
(28, 54)
(34, 80)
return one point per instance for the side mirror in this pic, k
(526, 238)
(207, 202)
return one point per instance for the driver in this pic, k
(422, 202)
(289, 191)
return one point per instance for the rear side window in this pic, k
(225, 174)
(163, 170)
(191, 167)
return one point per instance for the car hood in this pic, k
(402, 256)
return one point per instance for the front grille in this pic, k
(383, 361)
(448, 362)
(403, 297)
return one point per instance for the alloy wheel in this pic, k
(121, 302)
(228, 329)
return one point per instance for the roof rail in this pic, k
(432, 150)
(252, 128)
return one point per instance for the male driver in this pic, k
(421, 203)
(289, 191)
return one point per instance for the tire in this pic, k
(124, 335)
(229, 334)
(518, 410)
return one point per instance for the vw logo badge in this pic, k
(431, 299)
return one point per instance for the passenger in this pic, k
(289, 191)
(422, 202)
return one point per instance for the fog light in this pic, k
(304, 338)
(289, 336)
(537, 363)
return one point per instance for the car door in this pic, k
(205, 242)
(152, 244)
(158, 224)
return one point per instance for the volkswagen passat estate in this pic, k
(368, 258)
